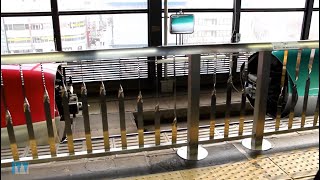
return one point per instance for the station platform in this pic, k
(294, 155)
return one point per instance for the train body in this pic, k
(294, 87)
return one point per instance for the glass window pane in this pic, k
(25, 5)
(272, 4)
(26, 35)
(208, 28)
(314, 28)
(103, 31)
(190, 4)
(82, 5)
(270, 26)
(316, 4)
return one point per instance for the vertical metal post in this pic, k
(213, 113)
(243, 98)
(157, 125)
(307, 87)
(157, 110)
(294, 90)
(140, 120)
(305, 103)
(292, 106)
(193, 105)
(46, 103)
(122, 118)
(256, 142)
(9, 124)
(85, 114)
(228, 108)
(213, 100)
(281, 95)
(104, 116)
(174, 131)
(12, 138)
(242, 112)
(47, 110)
(228, 100)
(174, 123)
(193, 151)
(66, 115)
(32, 137)
(27, 113)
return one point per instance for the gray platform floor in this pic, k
(145, 163)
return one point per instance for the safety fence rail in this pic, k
(190, 149)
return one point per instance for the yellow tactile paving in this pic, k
(261, 168)
(299, 164)
(198, 173)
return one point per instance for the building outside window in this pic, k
(82, 32)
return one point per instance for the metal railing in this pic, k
(192, 150)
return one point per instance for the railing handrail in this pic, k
(70, 56)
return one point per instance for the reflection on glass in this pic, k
(82, 5)
(314, 28)
(26, 35)
(208, 28)
(25, 5)
(103, 31)
(270, 26)
(273, 4)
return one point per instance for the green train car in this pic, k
(294, 87)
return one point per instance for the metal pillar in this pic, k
(256, 142)
(306, 23)
(154, 37)
(56, 25)
(193, 151)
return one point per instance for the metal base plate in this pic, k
(202, 153)
(266, 145)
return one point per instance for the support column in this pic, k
(256, 142)
(193, 151)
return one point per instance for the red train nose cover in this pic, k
(34, 91)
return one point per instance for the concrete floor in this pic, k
(148, 165)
